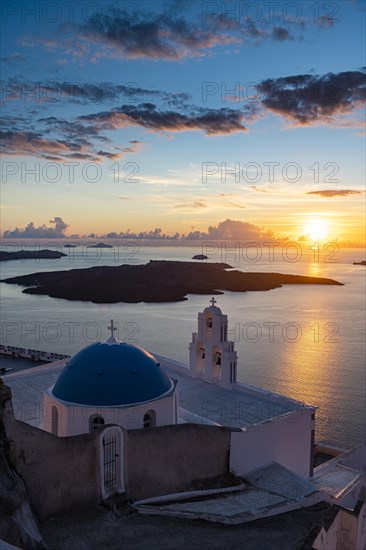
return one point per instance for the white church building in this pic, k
(148, 427)
(118, 383)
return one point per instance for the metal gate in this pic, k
(110, 455)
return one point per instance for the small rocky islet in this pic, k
(30, 255)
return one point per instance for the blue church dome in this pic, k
(111, 374)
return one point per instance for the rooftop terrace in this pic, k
(244, 407)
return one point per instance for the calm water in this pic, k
(304, 341)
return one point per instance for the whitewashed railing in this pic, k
(33, 354)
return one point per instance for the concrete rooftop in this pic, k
(244, 407)
(199, 401)
(268, 491)
(27, 387)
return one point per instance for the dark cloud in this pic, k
(54, 92)
(309, 98)
(335, 192)
(34, 144)
(281, 34)
(42, 231)
(251, 29)
(301, 99)
(54, 138)
(60, 140)
(211, 121)
(135, 146)
(173, 34)
(161, 36)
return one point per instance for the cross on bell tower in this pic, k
(213, 301)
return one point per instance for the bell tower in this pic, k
(211, 355)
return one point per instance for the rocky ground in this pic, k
(99, 528)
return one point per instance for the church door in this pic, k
(111, 458)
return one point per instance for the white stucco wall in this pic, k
(74, 419)
(285, 440)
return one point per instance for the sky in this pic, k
(233, 120)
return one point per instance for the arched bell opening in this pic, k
(208, 325)
(216, 363)
(200, 359)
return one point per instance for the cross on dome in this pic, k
(112, 328)
(213, 301)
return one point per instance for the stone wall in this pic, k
(58, 473)
(347, 530)
(170, 459)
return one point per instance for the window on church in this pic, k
(150, 419)
(95, 422)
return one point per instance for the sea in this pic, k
(304, 341)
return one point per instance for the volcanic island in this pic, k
(156, 281)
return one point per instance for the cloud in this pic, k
(308, 98)
(235, 205)
(335, 192)
(12, 59)
(34, 144)
(211, 121)
(281, 34)
(258, 189)
(170, 35)
(156, 233)
(299, 99)
(326, 21)
(70, 140)
(197, 205)
(79, 93)
(42, 231)
(57, 139)
(228, 230)
(232, 230)
(154, 36)
(236, 229)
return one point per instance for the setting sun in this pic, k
(316, 229)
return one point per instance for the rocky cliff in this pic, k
(18, 524)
